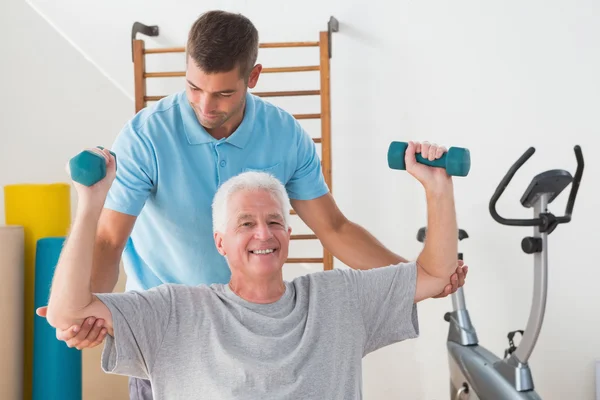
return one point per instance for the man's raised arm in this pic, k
(71, 299)
(438, 259)
(136, 322)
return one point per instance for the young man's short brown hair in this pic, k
(219, 41)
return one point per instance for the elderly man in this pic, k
(257, 337)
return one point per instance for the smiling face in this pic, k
(218, 98)
(255, 240)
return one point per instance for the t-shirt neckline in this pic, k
(279, 303)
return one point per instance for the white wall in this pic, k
(494, 77)
(54, 103)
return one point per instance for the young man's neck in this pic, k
(261, 291)
(228, 127)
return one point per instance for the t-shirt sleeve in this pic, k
(386, 302)
(140, 321)
(136, 172)
(307, 181)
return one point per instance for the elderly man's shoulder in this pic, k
(346, 275)
(181, 290)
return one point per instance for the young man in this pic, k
(257, 337)
(173, 156)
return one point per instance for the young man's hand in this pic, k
(90, 334)
(457, 280)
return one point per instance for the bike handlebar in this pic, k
(535, 221)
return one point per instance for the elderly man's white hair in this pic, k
(251, 181)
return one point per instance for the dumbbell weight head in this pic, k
(88, 167)
(456, 161)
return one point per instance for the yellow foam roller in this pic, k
(43, 210)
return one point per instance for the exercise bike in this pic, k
(475, 372)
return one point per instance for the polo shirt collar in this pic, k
(196, 134)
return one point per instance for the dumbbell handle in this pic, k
(439, 162)
(456, 161)
(88, 167)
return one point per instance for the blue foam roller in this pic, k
(56, 367)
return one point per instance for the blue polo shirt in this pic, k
(169, 169)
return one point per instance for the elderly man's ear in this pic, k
(219, 244)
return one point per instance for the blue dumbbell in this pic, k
(88, 167)
(456, 161)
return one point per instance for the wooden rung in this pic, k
(153, 98)
(288, 44)
(174, 74)
(292, 69)
(293, 212)
(262, 94)
(288, 93)
(307, 116)
(317, 140)
(304, 260)
(303, 237)
(165, 50)
(261, 45)
(164, 74)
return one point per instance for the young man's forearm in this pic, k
(439, 255)
(357, 248)
(105, 267)
(70, 292)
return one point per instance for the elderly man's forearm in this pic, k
(439, 255)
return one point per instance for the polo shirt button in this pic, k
(223, 162)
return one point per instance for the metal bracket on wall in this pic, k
(332, 26)
(138, 27)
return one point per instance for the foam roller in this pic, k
(12, 264)
(456, 161)
(89, 167)
(57, 368)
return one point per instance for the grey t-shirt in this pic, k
(205, 342)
